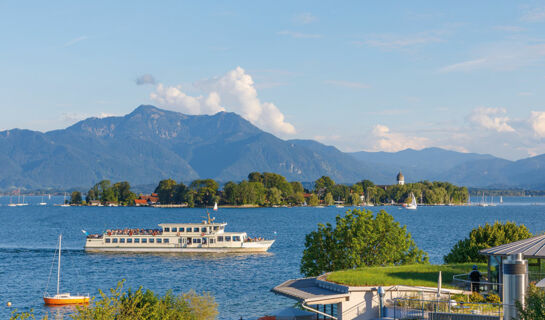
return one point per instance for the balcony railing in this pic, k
(463, 282)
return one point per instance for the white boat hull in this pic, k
(249, 247)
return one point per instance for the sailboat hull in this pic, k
(65, 300)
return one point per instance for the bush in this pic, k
(467, 250)
(534, 304)
(493, 298)
(476, 297)
(359, 239)
(142, 305)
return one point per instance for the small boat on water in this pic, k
(412, 205)
(64, 204)
(207, 236)
(42, 203)
(63, 299)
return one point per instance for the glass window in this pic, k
(122, 240)
(216, 228)
(195, 229)
(174, 229)
(144, 240)
(236, 238)
(129, 240)
(203, 229)
(151, 240)
(159, 240)
(167, 229)
(107, 240)
(165, 241)
(212, 240)
(136, 240)
(220, 238)
(114, 240)
(182, 229)
(227, 238)
(197, 240)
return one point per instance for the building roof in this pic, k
(311, 290)
(400, 176)
(531, 248)
(140, 201)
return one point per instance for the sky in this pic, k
(374, 76)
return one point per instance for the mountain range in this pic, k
(150, 144)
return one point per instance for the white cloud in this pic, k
(537, 121)
(235, 91)
(385, 140)
(348, 84)
(72, 117)
(145, 79)
(463, 66)
(304, 18)
(491, 118)
(299, 35)
(392, 41)
(534, 15)
(75, 40)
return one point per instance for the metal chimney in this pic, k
(515, 282)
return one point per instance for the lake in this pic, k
(240, 283)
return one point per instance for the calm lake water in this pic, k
(240, 283)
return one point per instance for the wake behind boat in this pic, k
(207, 236)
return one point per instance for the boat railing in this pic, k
(463, 281)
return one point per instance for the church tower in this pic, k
(400, 178)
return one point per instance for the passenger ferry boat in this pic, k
(207, 236)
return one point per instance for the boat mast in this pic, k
(59, 266)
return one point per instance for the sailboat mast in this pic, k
(59, 266)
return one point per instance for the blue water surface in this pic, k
(240, 283)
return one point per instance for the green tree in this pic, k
(323, 185)
(297, 187)
(123, 192)
(229, 194)
(354, 199)
(205, 191)
(76, 198)
(166, 191)
(274, 196)
(534, 304)
(255, 177)
(328, 199)
(483, 237)
(359, 239)
(313, 200)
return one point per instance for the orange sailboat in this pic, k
(62, 299)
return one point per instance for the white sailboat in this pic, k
(63, 298)
(483, 203)
(10, 203)
(24, 203)
(412, 205)
(215, 206)
(501, 199)
(42, 203)
(64, 204)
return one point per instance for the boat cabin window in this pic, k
(212, 240)
(195, 229)
(227, 238)
(136, 240)
(220, 238)
(182, 230)
(165, 241)
(129, 240)
(122, 240)
(197, 240)
(114, 240)
(203, 240)
(151, 240)
(107, 240)
(236, 238)
(159, 240)
(216, 228)
(174, 229)
(166, 229)
(203, 229)
(144, 240)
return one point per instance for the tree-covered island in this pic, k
(270, 189)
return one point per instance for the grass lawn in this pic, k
(410, 275)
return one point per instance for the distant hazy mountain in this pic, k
(150, 144)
